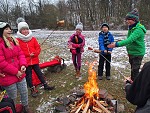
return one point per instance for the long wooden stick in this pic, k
(79, 109)
(102, 107)
(89, 111)
(86, 107)
(97, 109)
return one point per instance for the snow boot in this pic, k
(77, 74)
(34, 92)
(46, 87)
(108, 77)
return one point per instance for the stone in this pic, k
(103, 93)
(60, 108)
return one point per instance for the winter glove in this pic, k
(73, 51)
(75, 45)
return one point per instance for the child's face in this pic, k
(105, 29)
(7, 32)
(78, 31)
(24, 31)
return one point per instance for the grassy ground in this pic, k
(65, 81)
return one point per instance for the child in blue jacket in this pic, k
(105, 38)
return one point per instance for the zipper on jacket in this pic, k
(29, 53)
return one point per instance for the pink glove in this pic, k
(75, 45)
(73, 51)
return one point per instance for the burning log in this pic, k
(76, 108)
(89, 111)
(79, 108)
(97, 109)
(102, 107)
(86, 107)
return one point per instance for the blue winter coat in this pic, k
(103, 46)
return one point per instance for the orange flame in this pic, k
(91, 86)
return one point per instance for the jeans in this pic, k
(135, 62)
(101, 64)
(22, 88)
(38, 72)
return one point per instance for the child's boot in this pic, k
(46, 87)
(77, 73)
(34, 92)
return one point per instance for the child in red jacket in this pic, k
(31, 49)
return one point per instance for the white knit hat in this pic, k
(22, 25)
(79, 26)
(2, 24)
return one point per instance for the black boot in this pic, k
(34, 92)
(26, 109)
(46, 87)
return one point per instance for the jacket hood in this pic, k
(141, 26)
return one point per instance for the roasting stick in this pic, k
(102, 107)
(99, 51)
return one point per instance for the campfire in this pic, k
(90, 101)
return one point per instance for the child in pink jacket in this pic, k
(12, 66)
(76, 43)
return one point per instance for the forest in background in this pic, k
(44, 14)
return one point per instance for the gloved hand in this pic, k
(75, 45)
(73, 51)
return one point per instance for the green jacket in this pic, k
(135, 40)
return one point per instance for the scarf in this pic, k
(23, 37)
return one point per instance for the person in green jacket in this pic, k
(134, 42)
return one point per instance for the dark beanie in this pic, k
(3, 25)
(133, 15)
(104, 24)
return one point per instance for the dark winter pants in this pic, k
(101, 64)
(76, 58)
(5, 103)
(135, 62)
(38, 72)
